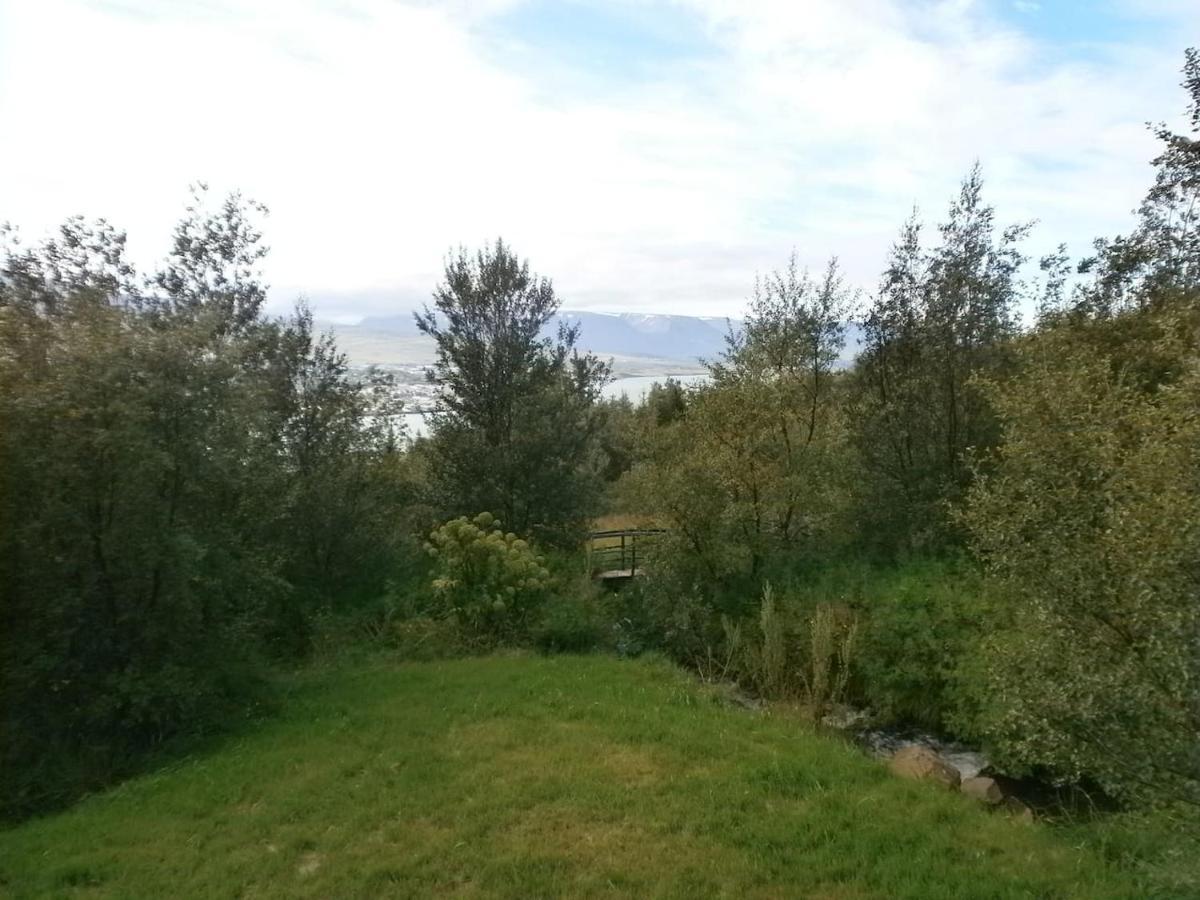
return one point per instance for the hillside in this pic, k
(521, 777)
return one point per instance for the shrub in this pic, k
(573, 623)
(657, 614)
(632, 619)
(185, 484)
(398, 622)
(794, 652)
(490, 582)
(1089, 523)
(424, 638)
(774, 653)
(832, 633)
(921, 623)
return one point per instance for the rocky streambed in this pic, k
(885, 744)
(956, 766)
(913, 753)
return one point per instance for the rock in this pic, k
(983, 789)
(845, 718)
(739, 698)
(883, 743)
(1017, 810)
(923, 763)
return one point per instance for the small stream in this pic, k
(883, 743)
(1042, 796)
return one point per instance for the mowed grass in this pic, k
(534, 777)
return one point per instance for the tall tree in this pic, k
(213, 266)
(516, 431)
(1160, 260)
(750, 471)
(941, 317)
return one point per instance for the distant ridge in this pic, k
(654, 339)
(624, 334)
(638, 334)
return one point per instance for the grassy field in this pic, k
(614, 521)
(524, 777)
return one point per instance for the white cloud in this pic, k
(382, 133)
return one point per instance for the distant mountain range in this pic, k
(638, 334)
(639, 343)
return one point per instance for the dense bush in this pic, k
(921, 623)
(1090, 525)
(636, 618)
(753, 468)
(1089, 521)
(942, 316)
(183, 484)
(575, 621)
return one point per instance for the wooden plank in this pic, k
(614, 574)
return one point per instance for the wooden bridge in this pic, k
(613, 556)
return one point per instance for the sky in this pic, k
(647, 156)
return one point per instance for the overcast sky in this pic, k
(647, 156)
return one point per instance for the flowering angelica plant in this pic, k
(489, 580)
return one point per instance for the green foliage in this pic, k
(832, 637)
(573, 622)
(773, 652)
(405, 622)
(898, 639)
(1089, 527)
(941, 317)
(183, 484)
(796, 651)
(666, 402)
(921, 625)
(490, 582)
(752, 468)
(1159, 262)
(1088, 521)
(425, 638)
(518, 427)
(639, 617)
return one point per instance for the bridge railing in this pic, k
(618, 552)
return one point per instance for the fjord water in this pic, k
(635, 387)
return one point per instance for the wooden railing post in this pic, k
(622, 542)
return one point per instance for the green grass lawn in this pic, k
(532, 777)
